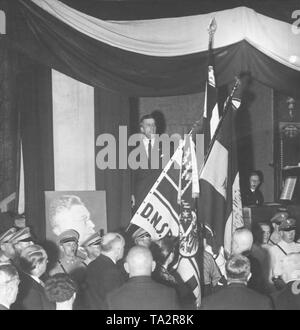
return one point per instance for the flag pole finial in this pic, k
(212, 27)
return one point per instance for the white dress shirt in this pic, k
(277, 255)
(146, 143)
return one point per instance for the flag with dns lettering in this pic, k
(167, 210)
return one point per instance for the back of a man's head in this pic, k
(112, 244)
(139, 262)
(290, 267)
(242, 240)
(238, 269)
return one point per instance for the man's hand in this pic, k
(132, 201)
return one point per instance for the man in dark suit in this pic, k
(31, 295)
(9, 283)
(289, 297)
(140, 292)
(150, 160)
(252, 195)
(102, 274)
(236, 295)
(242, 243)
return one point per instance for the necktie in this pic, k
(149, 153)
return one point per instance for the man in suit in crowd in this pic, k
(289, 297)
(9, 283)
(140, 292)
(236, 295)
(32, 266)
(242, 242)
(278, 251)
(102, 274)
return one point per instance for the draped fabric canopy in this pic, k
(161, 56)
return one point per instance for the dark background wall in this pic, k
(255, 126)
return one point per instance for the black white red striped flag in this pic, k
(220, 207)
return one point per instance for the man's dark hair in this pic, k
(258, 232)
(60, 287)
(259, 174)
(149, 116)
(238, 268)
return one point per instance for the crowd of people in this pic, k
(117, 272)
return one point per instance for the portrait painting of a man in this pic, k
(83, 211)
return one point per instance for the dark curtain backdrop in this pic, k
(35, 106)
(111, 111)
(8, 123)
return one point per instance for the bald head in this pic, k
(242, 241)
(139, 262)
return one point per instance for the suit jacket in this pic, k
(102, 276)
(142, 293)
(143, 179)
(3, 308)
(253, 198)
(236, 297)
(288, 298)
(31, 295)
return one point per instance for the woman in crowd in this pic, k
(61, 290)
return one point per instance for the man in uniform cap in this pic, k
(92, 247)
(69, 262)
(21, 239)
(276, 220)
(6, 246)
(142, 238)
(289, 297)
(285, 246)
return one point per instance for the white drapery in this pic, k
(186, 35)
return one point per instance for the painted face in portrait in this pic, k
(76, 217)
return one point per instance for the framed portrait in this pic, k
(83, 211)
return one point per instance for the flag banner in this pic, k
(211, 111)
(220, 207)
(167, 210)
